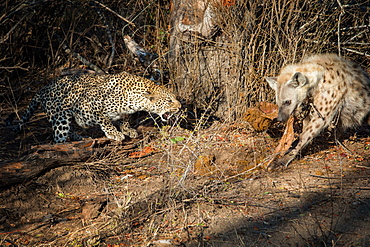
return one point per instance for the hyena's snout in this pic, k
(283, 115)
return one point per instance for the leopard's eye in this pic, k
(287, 102)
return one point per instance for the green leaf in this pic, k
(177, 139)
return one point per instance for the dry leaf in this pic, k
(285, 142)
(146, 151)
(288, 137)
(270, 110)
(260, 117)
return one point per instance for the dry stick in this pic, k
(6, 37)
(324, 177)
(365, 167)
(356, 27)
(339, 20)
(79, 57)
(112, 11)
(357, 52)
(13, 67)
(133, 19)
(360, 33)
(343, 48)
(14, 10)
(335, 43)
(109, 33)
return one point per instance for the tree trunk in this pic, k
(207, 62)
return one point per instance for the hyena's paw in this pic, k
(281, 163)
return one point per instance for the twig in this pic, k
(308, 25)
(6, 37)
(109, 33)
(365, 167)
(258, 167)
(335, 43)
(317, 111)
(343, 146)
(79, 57)
(339, 20)
(360, 33)
(14, 67)
(323, 177)
(357, 52)
(355, 43)
(133, 19)
(356, 27)
(114, 12)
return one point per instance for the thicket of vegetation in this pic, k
(38, 39)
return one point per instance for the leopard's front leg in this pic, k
(109, 129)
(125, 129)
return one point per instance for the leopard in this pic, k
(99, 100)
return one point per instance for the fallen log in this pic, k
(43, 158)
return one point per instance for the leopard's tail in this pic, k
(32, 107)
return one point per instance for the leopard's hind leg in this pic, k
(61, 123)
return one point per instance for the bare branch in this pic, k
(6, 37)
(339, 20)
(14, 67)
(79, 57)
(357, 35)
(109, 33)
(114, 12)
(357, 52)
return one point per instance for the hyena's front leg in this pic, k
(311, 128)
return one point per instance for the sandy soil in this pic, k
(181, 187)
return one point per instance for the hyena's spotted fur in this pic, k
(335, 92)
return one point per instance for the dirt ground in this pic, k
(178, 187)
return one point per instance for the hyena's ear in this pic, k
(298, 80)
(272, 82)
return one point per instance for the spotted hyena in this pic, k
(335, 92)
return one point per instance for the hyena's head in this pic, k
(291, 90)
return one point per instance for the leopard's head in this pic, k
(163, 103)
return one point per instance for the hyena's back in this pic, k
(344, 83)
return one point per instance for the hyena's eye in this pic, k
(287, 102)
